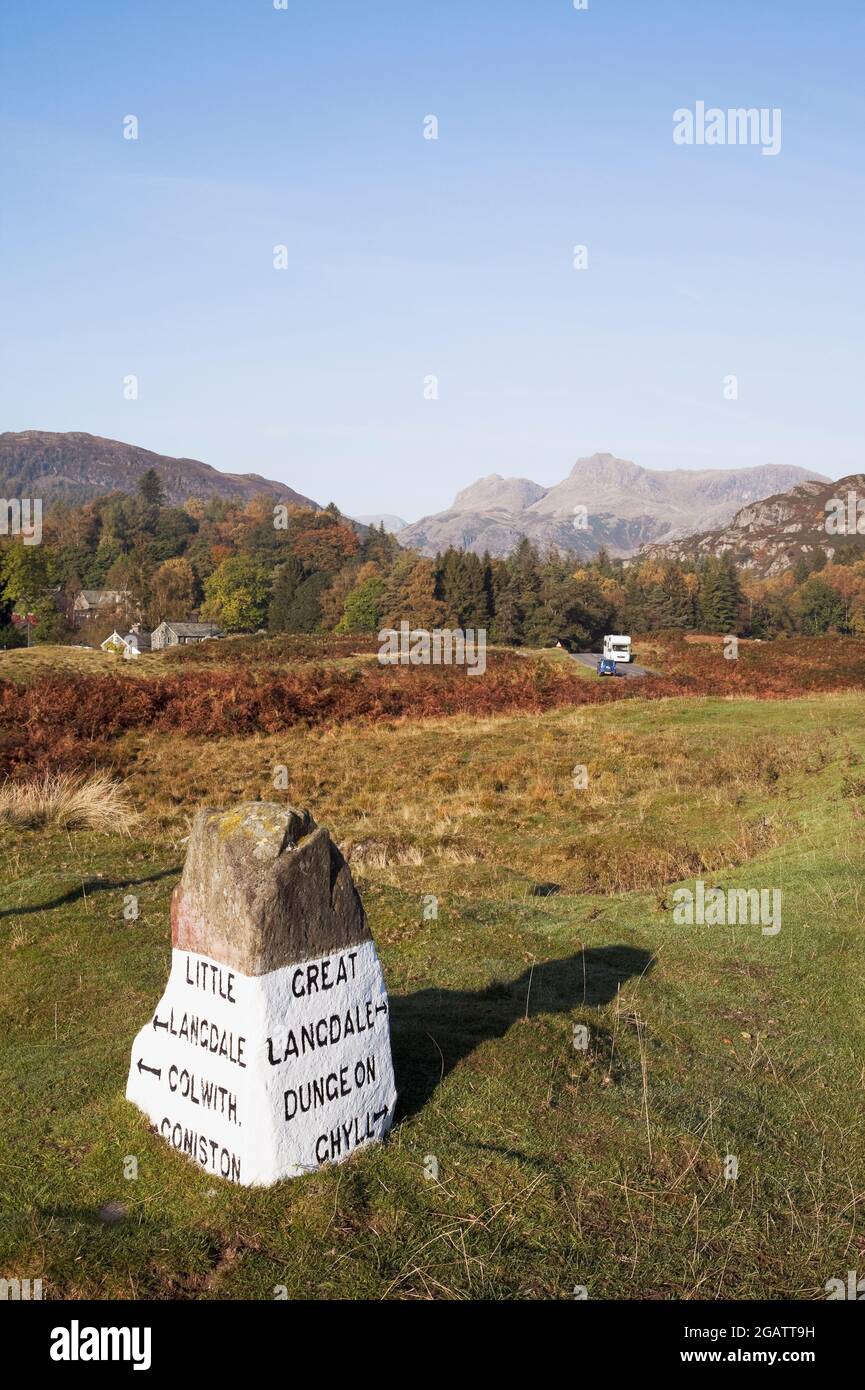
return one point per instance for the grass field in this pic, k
(28, 664)
(520, 1165)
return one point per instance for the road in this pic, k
(624, 668)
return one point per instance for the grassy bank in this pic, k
(551, 1166)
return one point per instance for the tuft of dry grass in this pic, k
(68, 802)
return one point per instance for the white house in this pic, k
(118, 645)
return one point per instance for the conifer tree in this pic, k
(720, 595)
(285, 585)
(634, 614)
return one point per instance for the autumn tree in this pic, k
(363, 605)
(410, 594)
(25, 574)
(237, 594)
(325, 544)
(820, 607)
(172, 591)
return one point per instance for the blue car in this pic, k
(607, 667)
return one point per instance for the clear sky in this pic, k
(410, 257)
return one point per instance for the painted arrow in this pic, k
(154, 1071)
(379, 1114)
(157, 1024)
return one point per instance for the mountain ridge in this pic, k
(771, 535)
(627, 507)
(75, 466)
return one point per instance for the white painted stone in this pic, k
(262, 1077)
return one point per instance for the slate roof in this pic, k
(99, 597)
(194, 629)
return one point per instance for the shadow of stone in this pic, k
(87, 888)
(434, 1029)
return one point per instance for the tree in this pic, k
(129, 574)
(285, 585)
(464, 586)
(850, 552)
(821, 608)
(51, 626)
(857, 617)
(409, 594)
(807, 564)
(574, 612)
(380, 547)
(362, 612)
(201, 557)
(525, 581)
(720, 595)
(669, 602)
(325, 544)
(237, 594)
(10, 635)
(488, 586)
(173, 591)
(170, 533)
(848, 584)
(603, 563)
(304, 611)
(472, 599)
(150, 489)
(25, 574)
(634, 609)
(507, 624)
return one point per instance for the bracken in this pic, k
(66, 721)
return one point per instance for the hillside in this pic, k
(627, 507)
(579, 1064)
(770, 536)
(75, 467)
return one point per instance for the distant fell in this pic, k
(76, 467)
(604, 502)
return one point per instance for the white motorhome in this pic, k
(617, 648)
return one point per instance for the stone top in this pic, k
(263, 886)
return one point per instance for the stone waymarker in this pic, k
(269, 1052)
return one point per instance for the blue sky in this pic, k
(410, 257)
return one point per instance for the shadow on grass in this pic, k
(88, 887)
(434, 1029)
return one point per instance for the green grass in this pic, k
(556, 1167)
